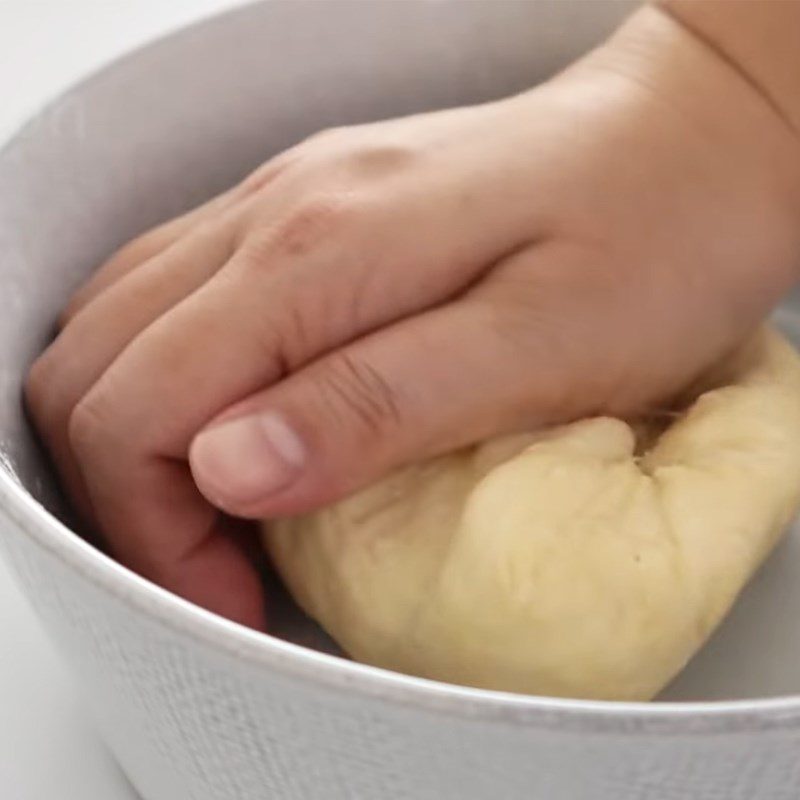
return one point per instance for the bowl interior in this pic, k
(163, 129)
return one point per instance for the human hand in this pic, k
(383, 293)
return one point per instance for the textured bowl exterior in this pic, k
(195, 707)
(193, 712)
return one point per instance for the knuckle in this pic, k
(314, 223)
(326, 136)
(85, 426)
(355, 389)
(256, 180)
(264, 175)
(138, 249)
(35, 391)
(316, 144)
(381, 160)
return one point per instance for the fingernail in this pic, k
(247, 459)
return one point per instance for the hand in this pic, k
(382, 293)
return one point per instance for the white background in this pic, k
(48, 750)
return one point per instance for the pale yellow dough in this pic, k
(567, 563)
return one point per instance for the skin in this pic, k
(383, 293)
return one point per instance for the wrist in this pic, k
(680, 70)
(760, 39)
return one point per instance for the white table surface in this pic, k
(48, 749)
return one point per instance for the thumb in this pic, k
(421, 387)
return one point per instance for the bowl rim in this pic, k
(260, 650)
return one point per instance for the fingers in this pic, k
(403, 394)
(516, 352)
(93, 339)
(163, 530)
(141, 250)
(155, 241)
(306, 287)
(158, 525)
(158, 352)
(309, 286)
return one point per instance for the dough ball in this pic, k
(592, 560)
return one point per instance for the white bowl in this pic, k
(197, 708)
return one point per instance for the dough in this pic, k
(591, 561)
